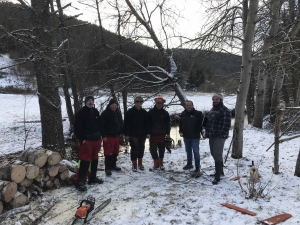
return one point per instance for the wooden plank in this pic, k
(276, 219)
(230, 206)
(237, 177)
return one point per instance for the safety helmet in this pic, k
(159, 99)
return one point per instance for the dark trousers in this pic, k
(157, 142)
(137, 145)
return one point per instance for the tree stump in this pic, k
(36, 157)
(53, 157)
(18, 200)
(7, 190)
(12, 172)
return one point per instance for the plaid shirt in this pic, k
(217, 122)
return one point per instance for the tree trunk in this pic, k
(49, 99)
(250, 99)
(33, 156)
(7, 190)
(277, 136)
(297, 168)
(237, 146)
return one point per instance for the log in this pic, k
(53, 157)
(32, 171)
(52, 170)
(21, 189)
(1, 207)
(64, 175)
(36, 157)
(12, 172)
(26, 182)
(72, 165)
(46, 178)
(71, 178)
(18, 200)
(7, 190)
(49, 184)
(56, 183)
(42, 174)
(13, 212)
(62, 166)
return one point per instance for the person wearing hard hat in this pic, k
(135, 131)
(158, 129)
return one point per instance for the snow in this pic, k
(170, 197)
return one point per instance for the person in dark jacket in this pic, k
(158, 129)
(87, 128)
(111, 129)
(217, 124)
(189, 128)
(135, 131)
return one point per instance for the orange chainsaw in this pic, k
(86, 207)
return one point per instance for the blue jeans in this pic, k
(192, 146)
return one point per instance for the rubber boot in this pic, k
(94, 179)
(155, 165)
(134, 165)
(218, 172)
(140, 164)
(114, 159)
(80, 184)
(161, 164)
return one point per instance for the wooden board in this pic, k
(276, 219)
(237, 177)
(230, 206)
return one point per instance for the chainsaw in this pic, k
(86, 207)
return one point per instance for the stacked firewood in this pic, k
(33, 173)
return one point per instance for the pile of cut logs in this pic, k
(34, 172)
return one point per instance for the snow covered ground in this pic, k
(170, 197)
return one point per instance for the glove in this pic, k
(168, 136)
(127, 138)
(148, 136)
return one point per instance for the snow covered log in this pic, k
(53, 157)
(18, 200)
(36, 157)
(32, 171)
(26, 182)
(72, 165)
(7, 190)
(13, 212)
(12, 171)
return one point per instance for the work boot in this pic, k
(134, 166)
(218, 172)
(196, 173)
(155, 165)
(140, 164)
(114, 162)
(94, 179)
(108, 164)
(188, 166)
(222, 171)
(161, 164)
(107, 172)
(83, 169)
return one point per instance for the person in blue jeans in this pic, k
(190, 128)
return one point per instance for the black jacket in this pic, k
(135, 122)
(87, 124)
(191, 123)
(158, 122)
(111, 123)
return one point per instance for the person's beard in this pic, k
(90, 105)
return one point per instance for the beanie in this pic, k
(113, 101)
(218, 96)
(88, 98)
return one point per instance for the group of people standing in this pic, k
(91, 129)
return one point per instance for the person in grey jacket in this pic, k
(189, 128)
(217, 124)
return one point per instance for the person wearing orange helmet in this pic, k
(158, 129)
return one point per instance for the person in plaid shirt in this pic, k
(217, 124)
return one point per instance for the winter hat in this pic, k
(138, 99)
(113, 101)
(218, 96)
(88, 98)
(159, 99)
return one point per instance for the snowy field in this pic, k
(170, 197)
